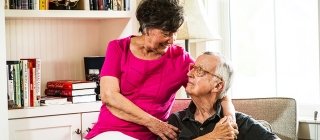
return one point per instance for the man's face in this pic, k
(201, 76)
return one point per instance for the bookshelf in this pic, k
(66, 14)
(60, 38)
(3, 88)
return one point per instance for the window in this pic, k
(274, 46)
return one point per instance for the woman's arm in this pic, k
(124, 109)
(228, 107)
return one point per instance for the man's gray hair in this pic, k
(224, 70)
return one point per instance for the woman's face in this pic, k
(158, 41)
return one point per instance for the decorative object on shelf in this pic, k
(196, 26)
(63, 4)
(92, 66)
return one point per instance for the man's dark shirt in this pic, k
(249, 129)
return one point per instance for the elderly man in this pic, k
(209, 80)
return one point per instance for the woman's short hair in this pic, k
(166, 15)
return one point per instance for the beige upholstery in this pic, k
(280, 112)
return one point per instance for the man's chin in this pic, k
(188, 88)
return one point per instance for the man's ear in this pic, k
(218, 87)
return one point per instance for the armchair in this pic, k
(279, 112)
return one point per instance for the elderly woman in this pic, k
(209, 80)
(141, 74)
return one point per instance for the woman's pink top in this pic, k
(150, 84)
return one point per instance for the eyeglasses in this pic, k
(200, 72)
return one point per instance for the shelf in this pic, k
(80, 14)
(54, 110)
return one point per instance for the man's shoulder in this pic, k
(178, 115)
(251, 129)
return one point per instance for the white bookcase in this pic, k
(3, 83)
(60, 122)
(60, 38)
(73, 14)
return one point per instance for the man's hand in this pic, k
(162, 129)
(225, 129)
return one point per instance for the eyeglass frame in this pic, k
(200, 72)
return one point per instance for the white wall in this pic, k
(3, 97)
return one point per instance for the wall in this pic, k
(61, 44)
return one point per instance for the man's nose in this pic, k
(190, 73)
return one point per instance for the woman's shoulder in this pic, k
(121, 43)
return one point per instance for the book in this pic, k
(43, 5)
(37, 84)
(71, 84)
(6, 4)
(34, 66)
(51, 100)
(25, 83)
(31, 4)
(17, 84)
(11, 82)
(82, 99)
(14, 83)
(24, 4)
(69, 92)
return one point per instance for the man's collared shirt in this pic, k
(249, 129)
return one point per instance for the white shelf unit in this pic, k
(70, 121)
(60, 38)
(80, 14)
(4, 133)
(53, 110)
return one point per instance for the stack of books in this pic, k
(76, 91)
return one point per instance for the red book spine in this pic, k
(31, 64)
(59, 85)
(58, 92)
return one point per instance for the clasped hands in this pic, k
(225, 129)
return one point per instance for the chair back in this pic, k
(280, 112)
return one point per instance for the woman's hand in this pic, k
(162, 129)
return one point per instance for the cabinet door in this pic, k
(88, 120)
(62, 127)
